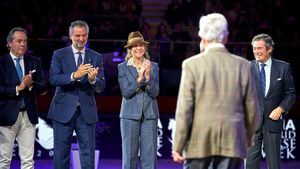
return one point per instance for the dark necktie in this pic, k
(263, 78)
(19, 69)
(79, 60)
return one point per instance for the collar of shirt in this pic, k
(14, 56)
(268, 63)
(267, 73)
(75, 51)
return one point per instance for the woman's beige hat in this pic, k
(135, 38)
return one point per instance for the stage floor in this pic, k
(162, 164)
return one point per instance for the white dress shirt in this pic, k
(268, 74)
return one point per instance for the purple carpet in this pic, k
(162, 164)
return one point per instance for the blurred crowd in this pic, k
(172, 40)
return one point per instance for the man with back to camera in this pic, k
(77, 72)
(21, 80)
(217, 108)
(276, 93)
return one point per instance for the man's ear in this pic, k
(270, 50)
(8, 45)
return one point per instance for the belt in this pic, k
(23, 109)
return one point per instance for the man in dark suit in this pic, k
(77, 72)
(276, 93)
(21, 79)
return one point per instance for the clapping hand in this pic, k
(92, 74)
(147, 70)
(82, 70)
(26, 81)
(141, 73)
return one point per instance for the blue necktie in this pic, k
(79, 60)
(19, 69)
(263, 78)
(20, 75)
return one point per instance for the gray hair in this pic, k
(266, 38)
(10, 36)
(213, 27)
(78, 23)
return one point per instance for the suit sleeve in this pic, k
(39, 82)
(100, 80)
(289, 91)
(251, 104)
(56, 77)
(128, 87)
(153, 84)
(7, 89)
(184, 109)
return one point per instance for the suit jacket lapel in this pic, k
(87, 56)
(11, 66)
(133, 71)
(28, 65)
(71, 59)
(273, 76)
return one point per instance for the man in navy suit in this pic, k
(277, 95)
(21, 79)
(77, 72)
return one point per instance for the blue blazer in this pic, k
(9, 102)
(69, 93)
(281, 92)
(138, 99)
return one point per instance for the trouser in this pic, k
(63, 133)
(214, 162)
(139, 137)
(22, 131)
(271, 144)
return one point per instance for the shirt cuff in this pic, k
(17, 92)
(93, 82)
(30, 88)
(283, 111)
(73, 79)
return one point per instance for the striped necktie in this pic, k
(79, 60)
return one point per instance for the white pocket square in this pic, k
(278, 79)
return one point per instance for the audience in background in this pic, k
(112, 20)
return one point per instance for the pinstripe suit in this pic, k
(139, 115)
(281, 93)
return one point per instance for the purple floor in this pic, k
(162, 164)
(103, 164)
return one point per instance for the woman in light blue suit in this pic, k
(139, 83)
